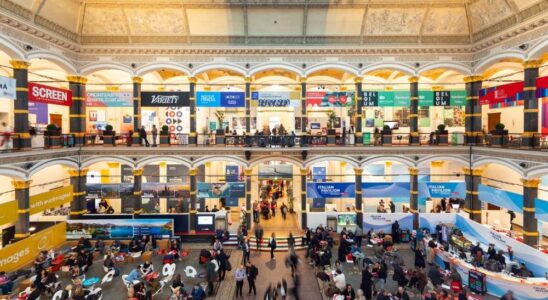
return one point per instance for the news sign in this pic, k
(50, 95)
(165, 99)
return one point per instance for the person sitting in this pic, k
(435, 276)
(340, 280)
(6, 285)
(349, 292)
(523, 271)
(177, 283)
(134, 275)
(197, 292)
(35, 292)
(146, 268)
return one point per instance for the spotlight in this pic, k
(304, 66)
(28, 47)
(134, 65)
(190, 66)
(360, 65)
(304, 154)
(524, 46)
(32, 229)
(247, 66)
(247, 154)
(523, 165)
(417, 65)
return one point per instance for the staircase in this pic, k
(281, 243)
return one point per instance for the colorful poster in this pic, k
(276, 98)
(502, 95)
(378, 222)
(501, 198)
(232, 99)
(220, 99)
(165, 99)
(50, 95)
(330, 99)
(50, 199)
(118, 228)
(221, 190)
(330, 190)
(7, 88)
(40, 110)
(109, 99)
(232, 173)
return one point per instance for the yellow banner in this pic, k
(8, 212)
(19, 254)
(51, 199)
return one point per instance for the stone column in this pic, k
(248, 206)
(304, 114)
(414, 138)
(77, 115)
(414, 195)
(78, 205)
(358, 140)
(21, 138)
(193, 193)
(472, 178)
(473, 132)
(137, 191)
(359, 200)
(137, 81)
(530, 224)
(248, 106)
(530, 136)
(23, 212)
(193, 137)
(304, 172)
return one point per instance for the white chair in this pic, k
(162, 284)
(105, 269)
(96, 291)
(57, 295)
(108, 277)
(190, 272)
(136, 254)
(216, 263)
(166, 270)
(126, 282)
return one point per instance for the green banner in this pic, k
(401, 98)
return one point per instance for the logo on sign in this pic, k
(15, 257)
(161, 99)
(441, 98)
(370, 98)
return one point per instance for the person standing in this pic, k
(358, 235)
(210, 276)
(252, 273)
(143, 136)
(239, 275)
(283, 209)
(259, 232)
(272, 245)
(247, 250)
(291, 241)
(392, 207)
(222, 258)
(154, 135)
(256, 212)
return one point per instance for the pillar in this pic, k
(248, 105)
(530, 138)
(137, 81)
(530, 193)
(304, 114)
(304, 172)
(193, 193)
(414, 138)
(77, 115)
(472, 129)
(248, 207)
(78, 180)
(193, 136)
(22, 197)
(359, 199)
(414, 195)
(472, 178)
(359, 111)
(21, 137)
(137, 191)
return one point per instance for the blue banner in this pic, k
(501, 198)
(232, 99)
(442, 189)
(385, 189)
(318, 203)
(231, 202)
(330, 190)
(319, 173)
(541, 211)
(221, 190)
(220, 99)
(232, 173)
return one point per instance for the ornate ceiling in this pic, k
(275, 22)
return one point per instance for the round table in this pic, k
(90, 281)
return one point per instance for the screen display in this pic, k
(315, 125)
(346, 220)
(205, 220)
(392, 124)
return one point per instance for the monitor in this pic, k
(392, 124)
(315, 126)
(205, 220)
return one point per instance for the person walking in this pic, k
(252, 273)
(222, 258)
(143, 136)
(240, 275)
(367, 282)
(259, 232)
(247, 250)
(154, 135)
(283, 209)
(291, 241)
(292, 261)
(272, 245)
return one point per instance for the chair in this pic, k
(162, 285)
(105, 269)
(126, 282)
(97, 292)
(59, 294)
(190, 272)
(108, 277)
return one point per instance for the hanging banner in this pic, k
(276, 98)
(50, 95)
(40, 110)
(401, 98)
(7, 88)
(126, 172)
(151, 173)
(501, 198)
(318, 203)
(378, 222)
(319, 173)
(275, 171)
(118, 228)
(177, 174)
(220, 99)
(330, 190)
(442, 190)
(330, 99)
(8, 212)
(221, 190)
(165, 99)
(109, 99)
(50, 199)
(503, 95)
(232, 173)
(541, 209)
(385, 189)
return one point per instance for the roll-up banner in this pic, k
(7, 88)
(109, 99)
(220, 99)
(165, 99)
(330, 190)
(50, 95)
(501, 198)
(378, 222)
(177, 174)
(127, 173)
(330, 99)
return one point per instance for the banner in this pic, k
(109, 99)
(16, 255)
(50, 95)
(541, 210)
(442, 190)
(330, 190)
(232, 202)
(126, 172)
(165, 99)
(8, 212)
(319, 173)
(220, 99)
(7, 88)
(165, 190)
(503, 95)
(378, 222)
(430, 220)
(276, 98)
(276, 171)
(402, 98)
(40, 110)
(118, 228)
(221, 190)
(330, 99)
(385, 189)
(151, 173)
(501, 198)
(318, 203)
(177, 174)
(50, 199)
(232, 173)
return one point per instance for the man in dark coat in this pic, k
(367, 282)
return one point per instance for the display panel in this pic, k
(119, 228)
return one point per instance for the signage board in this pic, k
(165, 99)
(109, 99)
(220, 99)
(50, 199)
(7, 88)
(48, 94)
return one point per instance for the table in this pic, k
(90, 281)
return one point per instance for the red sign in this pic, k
(50, 95)
(503, 93)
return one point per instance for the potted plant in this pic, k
(52, 137)
(443, 135)
(109, 136)
(164, 136)
(499, 136)
(220, 132)
(386, 134)
(331, 132)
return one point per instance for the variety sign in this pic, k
(220, 99)
(50, 95)
(163, 99)
(109, 99)
(7, 88)
(50, 199)
(330, 99)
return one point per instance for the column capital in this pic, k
(413, 79)
(436, 163)
(473, 78)
(19, 64)
(192, 171)
(304, 171)
(137, 79)
(21, 184)
(530, 183)
(248, 172)
(138, 172)
(532, 64)
(303, 79)
(413, 171)
(473, 172)
(248, 79)
(436, 88)
(192, 79)
(78, 173)
(358, 171)
(358, 79)
(77, 79)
